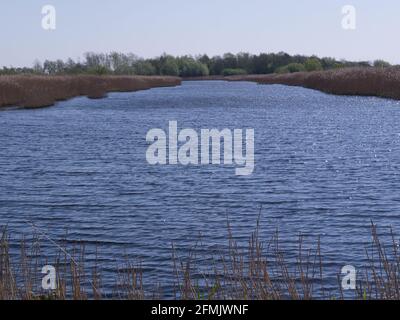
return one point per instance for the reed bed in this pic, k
(31, 91)
(260, 272)
(367, 81)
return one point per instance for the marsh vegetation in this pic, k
(259, 272)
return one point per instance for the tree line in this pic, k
(187, 66)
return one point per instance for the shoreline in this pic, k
(29, 91)
(38, 91)
(377, 82)
(238, 272)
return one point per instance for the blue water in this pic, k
(325, 166)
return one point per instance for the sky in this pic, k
(149, 28)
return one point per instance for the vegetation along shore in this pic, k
(51, 81)
(259, 271)
(33, 91)
(379, 82)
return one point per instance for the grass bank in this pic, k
(41, 91)
(259, 272)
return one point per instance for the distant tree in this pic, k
(37, 67)
(363, 64)
(329, 63)
(230, 61)
(263, 64)
(60, 66)
(205, 59)
(381, 64)
(145, 68)
(282, 70)
(313, 64)
(72, 67)
(282, 59)
(189, 67)
(98, 63)
(118, 63)
(245, 62)
(169, 66)
(233, 72)
(291, 68)
(50, 67)
(98, 70)
(299, 59)
(296, 67)
(216, 65)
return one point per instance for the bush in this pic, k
(99, 70)
(282, 70)
(291, 68)
(192, 68)
(233, 72)
(313, 64)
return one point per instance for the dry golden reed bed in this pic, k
(40, 91)
(258, 272)
(32, 91)
(380, 82)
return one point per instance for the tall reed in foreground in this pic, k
(260, 272)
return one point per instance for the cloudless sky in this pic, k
(151, 27)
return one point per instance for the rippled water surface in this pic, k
(325, 166)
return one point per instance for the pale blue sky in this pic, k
(151, 27)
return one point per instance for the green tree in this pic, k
(98, 70)
(50, 67)
(381, 64)
(233, 72)
(169, 66)
(145, 68)
(291, 68)
(189, 67)
(313, 64)
(282, 70)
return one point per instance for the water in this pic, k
(325, 166)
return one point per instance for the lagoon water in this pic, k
(325, 166)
